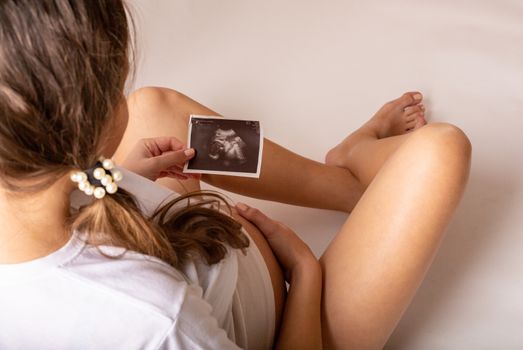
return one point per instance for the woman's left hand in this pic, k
(293, 254)
(159, 157)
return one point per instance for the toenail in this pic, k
(417, 97)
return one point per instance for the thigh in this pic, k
(374, 265)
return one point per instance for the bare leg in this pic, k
(374, 265)
(366, 150)
(290, 178)
(284, 174)
(165, 112)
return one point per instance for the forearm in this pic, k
(301, 324)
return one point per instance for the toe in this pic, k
(411, 123)
(412, 112)
(410, 99)
(411, 118)
(420, 121)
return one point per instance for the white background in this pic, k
(312, 71)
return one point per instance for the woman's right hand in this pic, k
(289, 249)
(158, 157)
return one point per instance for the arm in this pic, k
(301, 324)
(301, 327)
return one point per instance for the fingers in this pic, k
(171, 163)
(155, 146)
(167, 143)
(165, 157)
(173, 158)
(164, 162)
(266, 225)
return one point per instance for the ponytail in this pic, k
(174, 233)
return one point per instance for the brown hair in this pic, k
(63, 67)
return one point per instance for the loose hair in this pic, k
(63, 67)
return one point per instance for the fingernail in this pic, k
(242, 206)
(189, 152)
(417, 97)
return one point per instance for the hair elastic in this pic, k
(99, 179)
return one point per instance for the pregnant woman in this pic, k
(134, 256)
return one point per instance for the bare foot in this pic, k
(397, 117)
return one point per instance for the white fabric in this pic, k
(78, 298)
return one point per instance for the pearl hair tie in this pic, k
(98, 180)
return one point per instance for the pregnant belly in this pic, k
(275, 271)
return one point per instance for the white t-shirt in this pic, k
(76, 298)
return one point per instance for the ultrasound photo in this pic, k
(225, 146)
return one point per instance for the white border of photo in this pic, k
(218, 172)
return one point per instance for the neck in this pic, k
(34, 225)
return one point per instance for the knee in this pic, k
(155, 112)
(446, 144)
(158, 107)
(451, 136)
(154, 97)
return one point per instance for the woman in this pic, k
(109, 274)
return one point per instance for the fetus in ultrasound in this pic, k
(228, 147)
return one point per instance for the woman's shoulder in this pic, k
(137, 277)
(149, 280)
